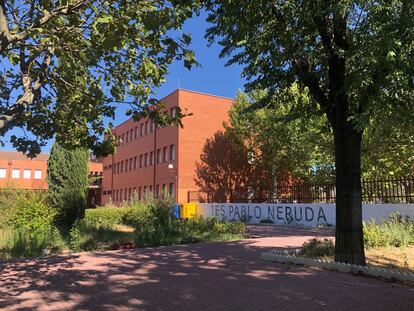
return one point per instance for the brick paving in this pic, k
(212, 276)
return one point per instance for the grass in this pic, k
(385, 257)
(391, 257)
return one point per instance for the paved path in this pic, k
(214, 276)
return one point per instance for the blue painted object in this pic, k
(176, 211)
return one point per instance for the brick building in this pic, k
(19, 172)
(151, 159)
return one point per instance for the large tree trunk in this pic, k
(349, 241)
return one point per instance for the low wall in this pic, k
(309, 215)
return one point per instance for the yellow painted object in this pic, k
(188, 210)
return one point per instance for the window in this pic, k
(157, 190)
(140, 193)
(165, 154)
(141, 161)
(37, 174)
(3, 173)
(146, 160)
(142, 129)
(145, 191)
(153, 126)
(27, 174)
(122, 166)
(126, 165)
(135, 163)
(171, 189)
(164, 189)
(122, 139)
(130, 164)
(150, 126)
(152, 158)
(16, 173)
(146, 127)
(127, 136)
(159, 156)
(131, 133)
(172, 153)
(173, 112)
(136, 132)
(150, 189)
(117, 167)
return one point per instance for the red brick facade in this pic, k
(19, 172)
(150, 160)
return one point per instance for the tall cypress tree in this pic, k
(67, 177)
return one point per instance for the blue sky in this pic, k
(211, 77)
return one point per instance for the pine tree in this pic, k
(67, 177)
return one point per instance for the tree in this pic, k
(354, 57)
(67, 178)
(224, 171)
(388, 147)
(301, 145)
(65, 63)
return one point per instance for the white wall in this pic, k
(309, 215)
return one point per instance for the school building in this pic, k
(19, 172)
(150, 159)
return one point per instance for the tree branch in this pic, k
(4, 27)
(29, 92)
(5, 36)
(308, 78)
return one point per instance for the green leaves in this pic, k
(101, 53)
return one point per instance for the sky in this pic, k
(211, 77)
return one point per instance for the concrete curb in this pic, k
(282, 256)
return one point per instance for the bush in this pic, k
(318, 248)
(396, 231)
(155, 226)
(28, 229)
(106, 217)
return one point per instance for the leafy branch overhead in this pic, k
(65, 64)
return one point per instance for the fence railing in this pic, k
(384, 190)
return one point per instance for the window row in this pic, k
(126, 194)
(163, 155)
(16, 173)
(143, 129)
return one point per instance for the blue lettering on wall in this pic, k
(279, 212)
(309, 213)
(223, 212)
(236, 212)
(288, 214)
(298, 213)
(270, 212)
(321, 214)
(231, 210)
(257, 212)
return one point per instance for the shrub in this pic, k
(396, 231)
(318, 248)
(106, 217)
(154, 225)
(67, 177)
(31, 214)
(28, 229)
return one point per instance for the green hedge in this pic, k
(106, 217)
